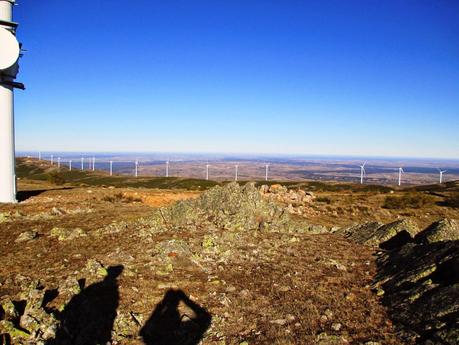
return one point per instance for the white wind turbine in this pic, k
(207, 171)
(441, 174)
(236, 172)
(400, 172)
(167, 168)
(362, 172)
(266, 172)
(70, 165)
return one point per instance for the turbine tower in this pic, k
(266, 172)
(441, 174)
(136, 168)
(362, 172)
(207, 171)
(70, 165)
(82, 163)
(167, 168)
(400, 172)
(10, 52)
(52, 159)
(236, 172)
(111, 168)
(93, 163)
(58, 162)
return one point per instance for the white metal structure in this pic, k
(136, 168)
(400, 172)
(70, 165)
(93, 163)
(207, 171)
(39, 156)
(9, 55)
(111, 168)
(167, 168)
(362, 172)
(52, 159)
(441, 174)
(266, 172)
(236, 172)
(58, 162)
(82, 163)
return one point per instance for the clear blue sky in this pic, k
(336, 77)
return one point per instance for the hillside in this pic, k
(94, 260)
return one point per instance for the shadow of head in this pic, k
(114, 272)
(176, 320)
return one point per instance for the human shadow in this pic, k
(167, 325)
(89, 316)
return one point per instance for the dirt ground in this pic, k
(267, 288)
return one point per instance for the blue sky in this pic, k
(374, 78)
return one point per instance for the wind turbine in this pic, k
(111, 168)
(58, 162)
(136, 168)
(167, 168)
(70, 165)
(52, 159)
(400, 172)
(82, 163)
(39, 155)
(236, 172)
(207, 171)
(93, 163)
(266, 172)
(362, 172)
(441, 174)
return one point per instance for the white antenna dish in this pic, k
(10, 51)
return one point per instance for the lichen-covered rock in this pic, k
(421, 290)
(230, 207)
(443, 230)
(26, 236)
(64, 234)
(388, 236)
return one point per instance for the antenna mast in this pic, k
(9, 55)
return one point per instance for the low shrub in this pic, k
(55, 177)
(324, 199)
(406, 201)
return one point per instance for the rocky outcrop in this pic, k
(231, 207)
(443, 230)
(420, 286)
(388, 236)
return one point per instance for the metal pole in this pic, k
(111, 168)
(7, 149)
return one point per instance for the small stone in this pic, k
(26, 236)
(336, 326)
